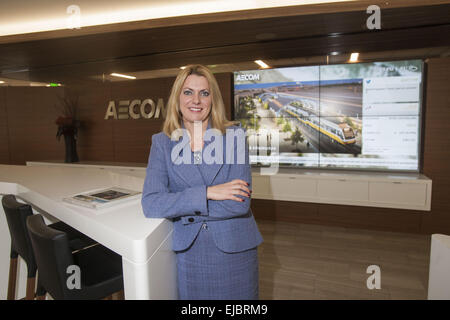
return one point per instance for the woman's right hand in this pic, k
(229, 191)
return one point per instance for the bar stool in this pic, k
(16, 214)
(100, 269)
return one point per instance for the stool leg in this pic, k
(12, 279)
(31, 283)
(41, 297)
(118, 295)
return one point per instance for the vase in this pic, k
(71, 148)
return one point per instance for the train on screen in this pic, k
(341, 133)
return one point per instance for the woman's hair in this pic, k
(173, 114)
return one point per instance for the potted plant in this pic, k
(68, 125)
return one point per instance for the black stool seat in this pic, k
(77, 240)
(16, 215)
(100, 268)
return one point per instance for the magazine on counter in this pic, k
(103, 198)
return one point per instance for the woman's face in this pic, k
(195, 99)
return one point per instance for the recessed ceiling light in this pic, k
(354, 57)
(334, 53)
(2, 81)
(262, 64)
(183, 67)
(122, 76)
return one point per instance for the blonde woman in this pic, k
(199, 176)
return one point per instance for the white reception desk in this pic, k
(149, 267)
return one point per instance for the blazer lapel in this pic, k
(210, 171)
(186, 170)
(189, 171)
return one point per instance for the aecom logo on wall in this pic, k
(137, 109)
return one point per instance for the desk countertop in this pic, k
(123, 228)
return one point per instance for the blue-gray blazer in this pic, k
(178, 192)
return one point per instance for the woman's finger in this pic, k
(237, 199)
(239, 181)
(244, 194)
(243, 188)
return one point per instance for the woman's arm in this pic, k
(231, 208)
(157, 200)
(238, 204)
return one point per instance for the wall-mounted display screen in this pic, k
(352, 116)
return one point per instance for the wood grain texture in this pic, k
(231, 16)
(437, 145)
(32, 114)
(72, 59)
(4, 132)
(308, 261)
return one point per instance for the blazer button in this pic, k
(191, 219)
(198, 213)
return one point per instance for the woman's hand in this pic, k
(229, 191)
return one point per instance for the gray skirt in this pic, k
(205, 272)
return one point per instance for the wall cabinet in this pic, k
(373, 189)
(402, 191)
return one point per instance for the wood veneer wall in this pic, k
(4, 143)
(28, 114)
(27, 132)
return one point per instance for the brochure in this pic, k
(103, 198)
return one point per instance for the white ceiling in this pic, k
(26, 16)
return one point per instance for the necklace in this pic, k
(197, 157)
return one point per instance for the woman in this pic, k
(215, 235)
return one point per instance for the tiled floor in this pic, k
(299, 261)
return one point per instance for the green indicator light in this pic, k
(54, 84)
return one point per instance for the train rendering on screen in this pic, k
(341, 133)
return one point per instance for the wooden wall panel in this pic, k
(95, 139)
(42, 144)
(437, 145)
(18, 102)
(32, 112)
(132, 138)
(31, 116)
(4, 136)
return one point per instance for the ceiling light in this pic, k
(122, 76)
(334, 53)
(2, 81)
(183, 67)
(354, 57)
(262, 64)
